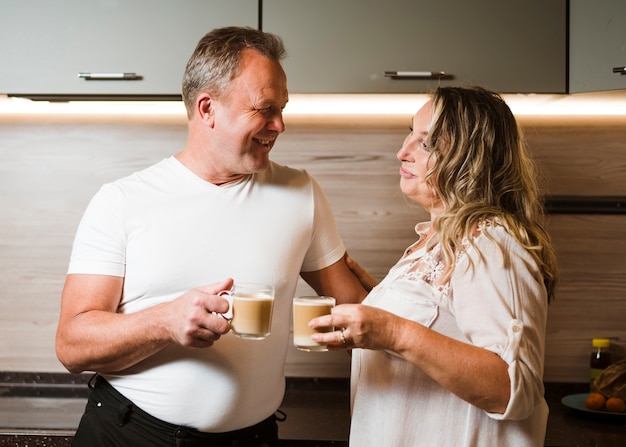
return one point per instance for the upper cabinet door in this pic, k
(597, 45)
(348, 45)
(107, 47)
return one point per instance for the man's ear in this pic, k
(204, 108)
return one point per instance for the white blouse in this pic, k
(495, 299)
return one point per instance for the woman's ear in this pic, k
(205, 109)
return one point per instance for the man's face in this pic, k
(249, 118)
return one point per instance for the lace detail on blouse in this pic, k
(429, 268)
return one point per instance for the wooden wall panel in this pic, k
(591, 299)
(583, 156)
(52, 166)
(49, 171)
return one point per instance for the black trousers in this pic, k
(111, 420)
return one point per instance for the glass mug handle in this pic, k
(228, 316)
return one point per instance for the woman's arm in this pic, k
(476, 375)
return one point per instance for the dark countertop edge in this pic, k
(38, 378)
(52, 379)
(64, 440)
(65, 385)
(45, 384)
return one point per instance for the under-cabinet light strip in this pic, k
(613, 103)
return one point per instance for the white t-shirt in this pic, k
(165, 231)
(501, 305)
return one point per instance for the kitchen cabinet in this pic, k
(131, 47)
(347, 45)
(597, 45)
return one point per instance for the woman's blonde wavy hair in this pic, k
(482, 172)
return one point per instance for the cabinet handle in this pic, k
(621, 70)
(109, 76)
(414, 74)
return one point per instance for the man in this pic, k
(140, 304)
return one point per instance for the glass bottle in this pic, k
(600, 356)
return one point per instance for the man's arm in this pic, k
(338, 281)
(92, 336)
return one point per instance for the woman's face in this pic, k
(416, 161)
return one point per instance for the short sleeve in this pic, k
(99, 245)
(326, 246)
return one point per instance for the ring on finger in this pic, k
(342, 337)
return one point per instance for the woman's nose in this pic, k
(403, 152)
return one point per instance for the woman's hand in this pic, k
(367, 280)
(357, 326)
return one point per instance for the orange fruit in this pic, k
(595, 401)
(616, 405)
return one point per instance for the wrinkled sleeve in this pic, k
(326, 246)
(500, 303)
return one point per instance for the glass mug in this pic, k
(305, 308)
(251, 307)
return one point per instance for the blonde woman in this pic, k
(448, 350)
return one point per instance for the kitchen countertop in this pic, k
(572, 428)
(317, 413)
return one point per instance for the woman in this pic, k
(453, 338)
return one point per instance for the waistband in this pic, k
(127, 412)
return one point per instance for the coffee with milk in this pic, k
(305, 308)
(251, 307)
